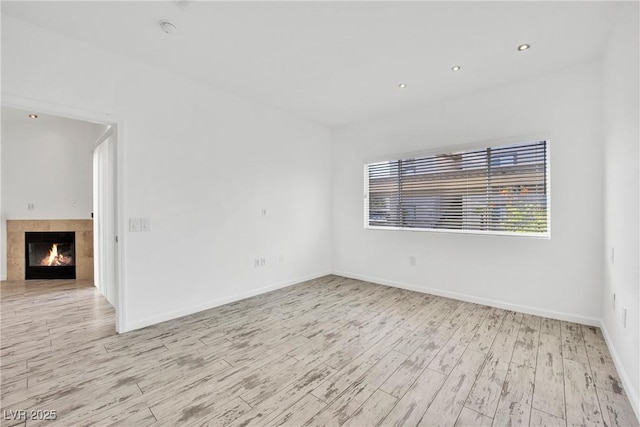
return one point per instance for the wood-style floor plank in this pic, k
(338, 383)
(448, 357)
(616, 409)
(514, 406)
(401, 379)
(357, 393)
(549, 383)
(602, 368)
(300, 412)
(542, 419)
(330, 351)
(583, 407)
(573, 347)
(138, 415)
(412, 406)
(373, 411)
(448, 403)
(487, 331)
(486, 390)
(222, 415)
(470, 418)
(551, 327)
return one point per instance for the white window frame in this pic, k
(454, 149)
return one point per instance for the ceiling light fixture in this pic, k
(182, 4)
(33, 116)
(168, 27)
(456, 68)
(523, 47)
(402, 85)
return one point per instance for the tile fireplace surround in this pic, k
(84, 244)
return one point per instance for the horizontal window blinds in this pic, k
(501, 189)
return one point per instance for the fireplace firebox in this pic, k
(50, 255)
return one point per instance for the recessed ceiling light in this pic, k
(523, 47)
(402, 85)
(168, 27)
(182, 4)
(456, 68)
(33, 116)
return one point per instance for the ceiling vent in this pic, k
(168, 27)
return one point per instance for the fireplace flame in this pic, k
(54, 258)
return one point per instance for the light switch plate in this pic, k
(134, 224)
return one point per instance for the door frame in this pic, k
(117, 123)
(102, 247)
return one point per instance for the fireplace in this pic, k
(50, 255)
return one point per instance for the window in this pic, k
(494, 190)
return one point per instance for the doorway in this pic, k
(102, 206)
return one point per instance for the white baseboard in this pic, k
(130, 326)
(631, 391)
(477, 300)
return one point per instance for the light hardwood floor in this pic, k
(331, 351)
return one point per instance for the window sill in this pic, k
(546, 235)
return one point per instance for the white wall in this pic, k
(621, 189)
(201, 164)
(3, 221)
(560, 277)
(48, 162)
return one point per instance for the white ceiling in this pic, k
(12, 115)
(19, 117)
(338, 62)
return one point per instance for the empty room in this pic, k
(306, 213)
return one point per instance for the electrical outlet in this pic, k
(145, 224)
(412, 260)
(263, 262)
(134, 224)
(256, 262)
(265, 212)
(30, 206)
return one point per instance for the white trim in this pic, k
(121, 264)
(218, 302)
(459, 147)
(543, 235)
(30, 104)
(627, 384)
(107, 133)
(591, 321)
